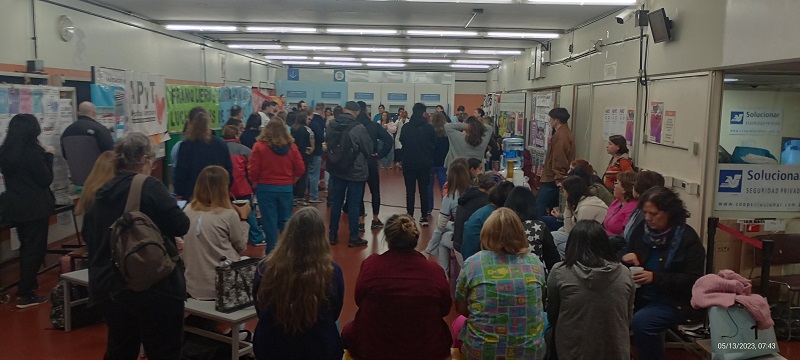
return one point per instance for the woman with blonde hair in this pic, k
(500, 292)
(215, 232)
(275, 166)
(199, 148)
(102, 171)
(402, 298)
(299, 292)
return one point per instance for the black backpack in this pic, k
(341, 154)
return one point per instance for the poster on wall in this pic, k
(520, 124)
(110, 102)
(656, 120)
(756, 121)
(614, 121)
(668, 133)
(145, 98)
(751, 187)
(235, 95)
(182, 98)
(629, 126)
(790, 151)
(259, 97)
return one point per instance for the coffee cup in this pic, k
(634, 270)
(240, 202)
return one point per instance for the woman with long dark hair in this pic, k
(251, 131)
(620, 161)
(470, 145)
(27, 202)
(590, 298)
(540, 240)
(299, 292)
(581, 205)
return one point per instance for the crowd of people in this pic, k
(585, 259)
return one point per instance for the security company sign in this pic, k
(743, 187)
(756, 121)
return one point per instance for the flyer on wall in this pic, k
(629, 126)
(656, 120)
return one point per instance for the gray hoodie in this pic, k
(591, 307)
(459, 147)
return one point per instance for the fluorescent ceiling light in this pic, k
(386, 65)
(731, 80)
(434, 51)
(441, 33)
(282, 29)
(467, 66)
(521, 35)
(374, 49)
(430, 61)
(377, 60)
(343, 63)
(315, 48)
(256, 46)
(464, 1)
(583, 2)
(284, 57)
(179, 27)
(482, 62)
(362, 31)
(334, 58)
(494, 52)
(301, 62)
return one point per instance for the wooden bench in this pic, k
(205, 309)
(455, 354)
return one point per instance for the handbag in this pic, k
(734, 335)
(234, 285)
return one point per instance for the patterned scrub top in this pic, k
(504, 299)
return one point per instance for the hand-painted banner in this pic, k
(259, 97)
(181, 99)
(235, 95)
(145, 104)
(110, 102)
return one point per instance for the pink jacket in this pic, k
(618, 216)
(725, 289)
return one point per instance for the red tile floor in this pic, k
(27, 333)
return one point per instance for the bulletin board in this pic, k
(605, 98)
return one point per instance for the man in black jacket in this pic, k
(376, 133)
(419, 141)
(85, 130)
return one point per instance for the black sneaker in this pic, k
(423, 221)
(30, 300)
(377, 224)
(334, 239)
(357, 242)
(361, 228)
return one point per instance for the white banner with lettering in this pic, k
(145, 98)
(756, 121)
(745, 187)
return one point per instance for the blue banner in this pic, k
(296, 94)
(235, 95)
(364, 96)
(397, 97)
(430, 97)
(110, 103)
(331, 95)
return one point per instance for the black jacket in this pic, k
(317, 125)
(193, 157)
(687, 266)
(362, 145)
(541, 243)
(109, 204)
(28, 178)
(377, 132)
(86, 126)
(472, 200)
(440, 150)
(419, 142)
(248, 137)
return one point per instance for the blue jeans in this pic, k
(441, 175)
(547, 198)
(255, 235)
(313, 177)
(354, 191)
(648, 325)
(552, 223)
(276, 203)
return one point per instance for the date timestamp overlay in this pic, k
(746, 346)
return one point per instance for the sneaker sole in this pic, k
(29, 305)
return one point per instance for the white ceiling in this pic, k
(362, 13)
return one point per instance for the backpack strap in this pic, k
(135, 193)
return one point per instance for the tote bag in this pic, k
(734, 335)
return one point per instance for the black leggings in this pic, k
(420, 177)
(374, 183)
(302, 184)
